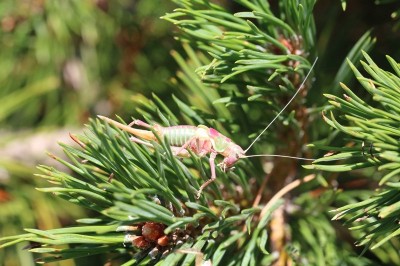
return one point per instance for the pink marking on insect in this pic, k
(201, 140)
(214, 133)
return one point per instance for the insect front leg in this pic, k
(213, 155)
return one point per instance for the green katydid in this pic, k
(201, 140)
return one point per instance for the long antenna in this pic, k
(278, 155)
(280, 112)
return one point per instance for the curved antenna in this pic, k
(278, 155)
(280, 112)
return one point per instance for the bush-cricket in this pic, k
(201, 140)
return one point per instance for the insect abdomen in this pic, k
(179, 135)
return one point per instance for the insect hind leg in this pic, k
(137, 140)
(139, 123)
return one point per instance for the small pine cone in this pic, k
(152, 231)
(163, 241)
(141, 242)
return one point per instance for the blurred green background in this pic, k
(62, 62)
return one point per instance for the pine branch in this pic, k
(237, 72)
(377, 126)
(144, 186)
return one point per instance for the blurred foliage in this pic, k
(239, 64)
(59, 63)
(24, 207)
(55, 53)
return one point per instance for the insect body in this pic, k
(201, 140)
